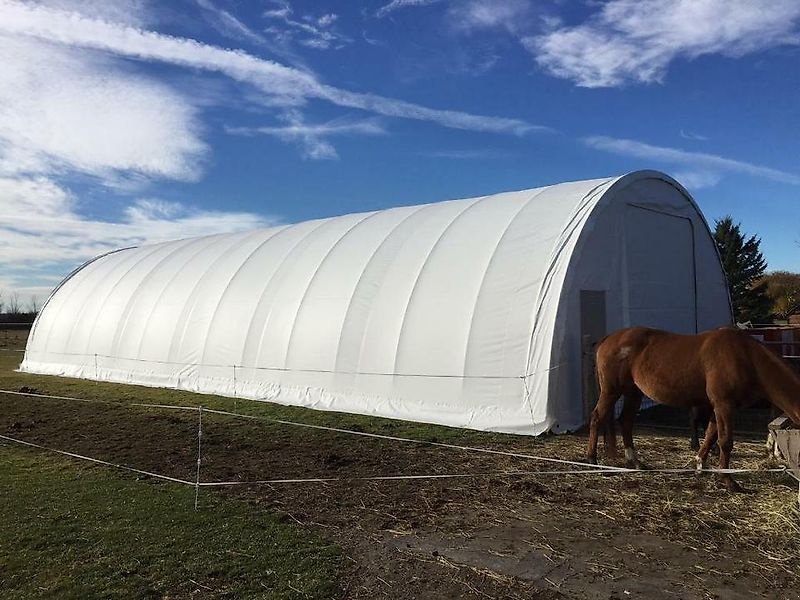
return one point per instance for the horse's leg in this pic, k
(724, 416)
(600, 414)
(610, 436)
(694, 419)
(708, 442)
(630, 409)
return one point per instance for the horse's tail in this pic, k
(776, 378)
(609, 427)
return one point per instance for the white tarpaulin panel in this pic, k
(462, 312)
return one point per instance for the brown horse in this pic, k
(721, 370)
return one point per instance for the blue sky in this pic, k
(132, 122)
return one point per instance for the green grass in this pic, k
(68, 531)
(71, 530)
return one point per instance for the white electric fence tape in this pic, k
(585, 468)
(198, 484)
(96, 460)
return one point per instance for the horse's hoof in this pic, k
(732, 486)
(638, 465)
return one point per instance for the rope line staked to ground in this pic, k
(584, 467)
(97, 460)
(198, 484)
(331, 429)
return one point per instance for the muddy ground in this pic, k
(536, 536)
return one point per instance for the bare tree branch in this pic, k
(14, 307)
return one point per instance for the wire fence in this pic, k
(570, 468)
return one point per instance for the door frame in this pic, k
(589, 387)
(694, 252)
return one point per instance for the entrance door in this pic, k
(593, 329)
(661, 285)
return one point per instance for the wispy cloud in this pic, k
(41, 229)
(229, 25)
(137, 13)
(475, 15)
(226, 23)
(372, 41)
(312, 138)
(696, 180)
(482, 154)
(698, 162)
(688, 135)
(398, 4)
(280, 84)
(636, 40)
(312, 31)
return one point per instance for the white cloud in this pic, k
(695, 180)
(137, 13)
(711, 165)
(398, 4)
(318, 32)
(42, 231)
(482, 154)
(688, 135)
(475, 15)
(280, 84)
(70, 110)
(312, 137)
(227, 23)
(26, 296)
(636, 40)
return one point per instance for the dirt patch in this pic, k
(622, 565)
(589, 536)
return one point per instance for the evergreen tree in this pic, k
(745, 266)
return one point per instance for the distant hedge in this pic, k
(25, 317)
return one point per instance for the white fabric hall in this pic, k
(473, 313)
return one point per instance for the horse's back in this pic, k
(672, 368)
(634, 341)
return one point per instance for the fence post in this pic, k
(96, 370)
(235, 395)
(199, 446)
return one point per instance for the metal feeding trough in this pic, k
(784, 442)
